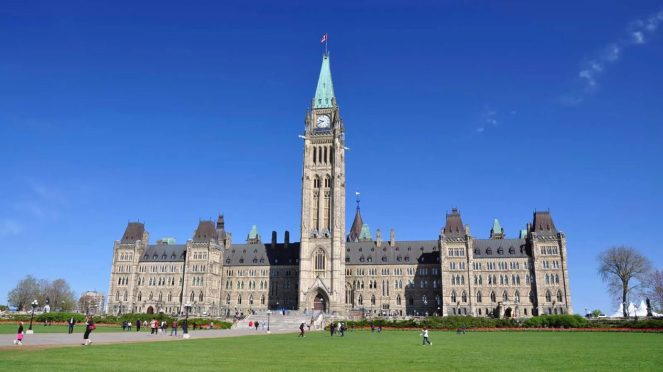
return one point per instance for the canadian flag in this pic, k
(323, 39)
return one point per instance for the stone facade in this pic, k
(334, 271)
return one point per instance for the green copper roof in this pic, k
(496, 227)
(254, 232)
(168, 240)
(365, 233)
(523, 234)
(325, 91)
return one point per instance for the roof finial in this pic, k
(357, 193)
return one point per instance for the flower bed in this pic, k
(519, 329)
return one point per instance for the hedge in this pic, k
(112, 319)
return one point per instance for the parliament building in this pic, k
(341, 271)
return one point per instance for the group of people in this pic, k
(256, 324)
(338, 327)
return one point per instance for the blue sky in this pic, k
(169, 113)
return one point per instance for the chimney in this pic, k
(392, 241)
(273, 239)
(286, 239)
(229, 239)
(379, 239)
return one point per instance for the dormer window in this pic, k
(155, 257)
(262, 260)
(407, 258)
(422, 259)
(359, 249)
(500, 251)
(347, 250)
(399, 258)
(347, 259)
(512, 251)
(370, 259)
(241, 260)
(384, 258)
(228, 261)
(276, 260)
(146, 257)
(173, 256)
(255, 260)
(489, 250)
(164, 257)
(477, 251)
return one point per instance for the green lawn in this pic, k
(6, 328)
(360, 351)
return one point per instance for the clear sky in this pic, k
(168, 113)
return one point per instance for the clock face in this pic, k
(323, 121)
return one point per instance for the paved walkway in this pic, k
(63, 339)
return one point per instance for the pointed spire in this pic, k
(254, 237)
(496, 232)
(355, 230)
(324, 93)
(365, 234)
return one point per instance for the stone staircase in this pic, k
(277, 322)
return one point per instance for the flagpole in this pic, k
(326, 41)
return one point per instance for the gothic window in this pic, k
(500, 251)
(251, 300)
(411, 300)
(262, 299)
(360, 301)
(548, 297)
(424, 299)
(191, 297)
(556, 279)
(518, 279)
(453, 296)
(516, 297)
(547, 279)
(479, 297)
(117, 296)
(490, 281)
(463, 296)
(453, 280)
(372, 300)
(492, 296)
(462, 279)
(239, 299)
(170, 297)
(526, 279)
(559, 296)
(398, 300)
(505, 297)
(489, 251)
(160, 297)
(501, 280)
(140, 296)
(228, 300)
(320, 260)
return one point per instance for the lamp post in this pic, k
(34, 305)
(185, 327)
(269, 312)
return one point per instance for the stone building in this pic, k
(334, 270)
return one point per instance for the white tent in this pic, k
(633, 311)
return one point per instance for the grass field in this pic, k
(360, 351)
(6, 328)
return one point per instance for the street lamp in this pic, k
(34, 305)
(269, 312)
(185, 327)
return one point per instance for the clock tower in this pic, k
(322, 266)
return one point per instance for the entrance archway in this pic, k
(319, 303)
(507, 312)
(150, 310)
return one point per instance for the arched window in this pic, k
(463, 296)
(170, 297)
(494, 279)
(516, 297)
(518, 279)
(492, 296)
(251, 300)
(480, 280)
(453, 280)
(125, 295)
(556, 279)
(437, 300)
(527, 279)
(160, 297)
(320, 260)
(360, 301)
(140, 296)
(513, 279)
(117, 296)
(239, 299)
(262, 299)
(453, 296)
(462, 279)
(398, 300)
(411, 300)
(501, 279)
(559, 296)
(548, 297)
(479, 297)
(228, 300)
(505, 297)
(372, 300)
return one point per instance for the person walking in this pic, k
(331, 329)
(342, 329)
(89, 327)
(463, 328)
(263, 325)
(164, 326)
(153, 327)
(72, 322)
(301, 328)
(257, 324)
(425, 334)
(138, 325)
(19, 335)
(173, 327)
(250, 324)
(129, 325)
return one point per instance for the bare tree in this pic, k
(622, 269)
(653, 288)
(61, 295)
(24, 293)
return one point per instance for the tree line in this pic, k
(61, 296)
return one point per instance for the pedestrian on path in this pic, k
(129, 325)
(257, 323)
(153, 327)
(138, 325)
(19, 336)
(425, 334)
(173, 327)
(72, 322)
(250, 324)
(89, 327)
(301, 328)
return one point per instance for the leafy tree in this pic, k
(596, 313)
(623, 269)
(24, 293)
(653, 288)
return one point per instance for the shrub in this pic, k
(556, 321)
